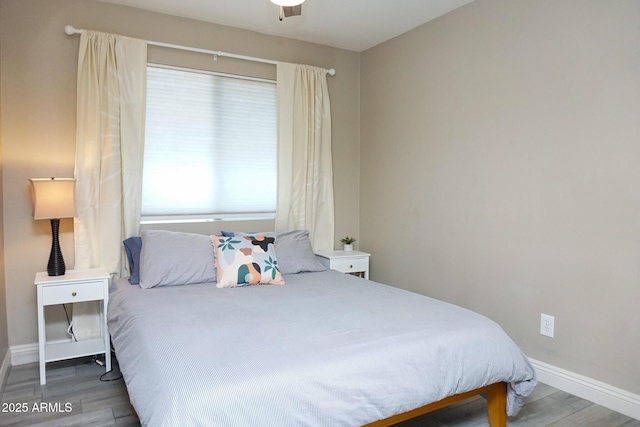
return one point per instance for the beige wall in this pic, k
(499, 169)
(38, 114)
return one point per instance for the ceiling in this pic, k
(348, 24)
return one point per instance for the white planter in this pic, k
(348, 248)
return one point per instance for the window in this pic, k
(210, 145)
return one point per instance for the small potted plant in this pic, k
(348, 243)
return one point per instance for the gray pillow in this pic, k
(169, 258)
(294, 251)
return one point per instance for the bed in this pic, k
(324, 349)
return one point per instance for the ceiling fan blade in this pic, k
(292, 10)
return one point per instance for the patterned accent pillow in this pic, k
(246, 260)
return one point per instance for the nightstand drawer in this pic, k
(353, 262)
(350, 265)
(63, 294)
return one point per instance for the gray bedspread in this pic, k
(325, 349)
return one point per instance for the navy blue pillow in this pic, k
(132, 247)
(228, 233)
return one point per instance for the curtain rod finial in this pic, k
(70, 30)
(331, 71)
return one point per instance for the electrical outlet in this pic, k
(546, 325)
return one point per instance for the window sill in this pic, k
(184, 219)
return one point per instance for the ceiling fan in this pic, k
(289, 8)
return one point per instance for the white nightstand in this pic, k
(352, 262)
(74, 286)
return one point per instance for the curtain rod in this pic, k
(71, 30)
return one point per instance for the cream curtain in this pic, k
(109, 155)
(305, 173)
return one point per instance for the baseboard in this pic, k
(595, 391)
(23, 354)
(4, 369)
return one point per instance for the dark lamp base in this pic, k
(56, 265)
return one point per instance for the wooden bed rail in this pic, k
(496, 406)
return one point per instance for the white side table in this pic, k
(351, 262)
(74, 286)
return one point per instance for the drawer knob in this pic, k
(73, 294)
(351, 266)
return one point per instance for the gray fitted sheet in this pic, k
(325, 349)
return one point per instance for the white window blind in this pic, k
(210, 144)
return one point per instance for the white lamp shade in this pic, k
(53, 197)
(287, 3)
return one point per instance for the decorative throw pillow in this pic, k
(246, 260)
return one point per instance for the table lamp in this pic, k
(53, 199)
